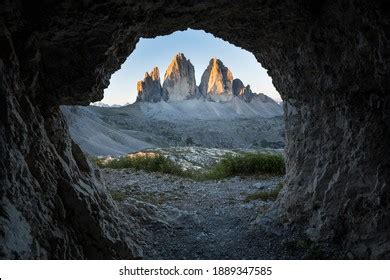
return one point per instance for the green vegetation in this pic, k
(265, 195)
(246, 164)
(156, 163)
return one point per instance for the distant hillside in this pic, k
(235, 124)
(219, 113)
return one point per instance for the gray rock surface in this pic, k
(216, 82)
(246, 94)
(179, 80)
(149, 89)
(241, 91)
(237, 86)
(184, 219)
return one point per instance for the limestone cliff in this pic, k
(241, 91)
(216, 82)
(149, 89)
(179, 79)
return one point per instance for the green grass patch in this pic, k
(247, 164)
(265, 195)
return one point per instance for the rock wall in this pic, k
(149, 89)
(329, 60)
(216, 82)
(52, 204)
(179, 79)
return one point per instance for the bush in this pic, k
(156, 163)
(248, 164)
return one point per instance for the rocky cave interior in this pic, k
(329, 60)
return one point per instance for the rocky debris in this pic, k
(185, 219)
(179, 80)
(216, 82)
(149, 89)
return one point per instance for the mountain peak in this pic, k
(216, 82)
(180, 55)
(179, 79)
(149, 89)
(155, 73)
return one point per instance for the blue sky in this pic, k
(199, 47)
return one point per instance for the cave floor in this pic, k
(184, 219)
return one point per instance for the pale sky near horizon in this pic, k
(199, 47)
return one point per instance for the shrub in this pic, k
(157, 163)
(247, 164)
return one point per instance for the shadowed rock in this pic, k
(237, 86)
(149, 89)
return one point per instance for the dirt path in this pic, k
(184, 219)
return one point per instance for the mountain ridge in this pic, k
(219, 113)
(217, 84)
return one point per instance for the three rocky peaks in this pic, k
(217, 83)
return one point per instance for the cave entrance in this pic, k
(328, 60)
(194, 76)
(190, 142)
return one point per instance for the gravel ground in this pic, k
(184, 219)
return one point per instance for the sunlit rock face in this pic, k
(216, 82)
(149, 89)
(179, 80)
(329, 60)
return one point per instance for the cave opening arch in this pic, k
(328, 62)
